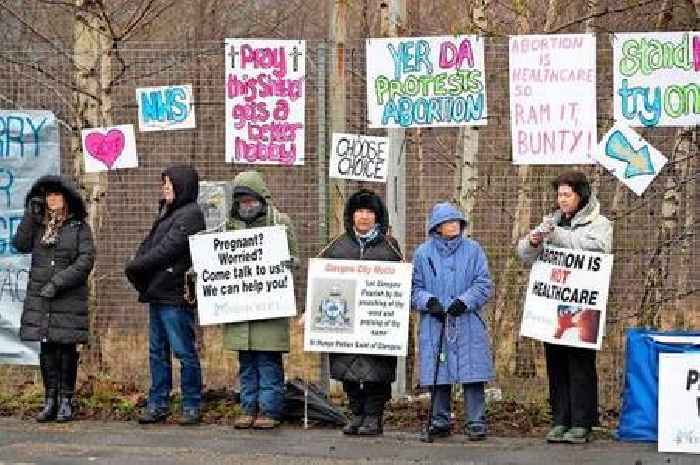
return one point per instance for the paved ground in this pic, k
(115, 443)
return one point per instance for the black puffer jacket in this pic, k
(66, 265)
(360, 367)
(158, 268)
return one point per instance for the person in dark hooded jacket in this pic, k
(157, 271)
(366, 378)
(55, 313)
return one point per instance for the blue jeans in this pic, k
(172, 328)
(262, 383)
(474, 404)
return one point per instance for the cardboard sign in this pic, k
(357, 306)
(679, 402)
(265, 101)
(241, 275)
(165, 108)
(106, 149)
(553, 98)
(567, 296)
(657, 78)
(426, 82)
(362, 158)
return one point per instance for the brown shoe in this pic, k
(243, 421)
(264, 422)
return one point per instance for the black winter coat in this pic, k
(362, 367)
(67, 265)
(158, 269)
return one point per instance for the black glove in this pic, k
(435, 307)
(48, 291)
(457, 308)
(35, 209)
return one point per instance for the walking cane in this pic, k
(426, 435)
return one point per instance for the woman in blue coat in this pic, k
(451, 284)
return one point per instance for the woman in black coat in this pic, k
(55, 313)
(366, 378)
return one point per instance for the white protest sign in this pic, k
(29, 148)
(241, 277)
(553, 98)
(265, 101)
(165, 108)
(567, 297)
(629, 157)
(106, 149)
(358, 307)
(358, 157)
(679, 402)
(657, 78)
(426, 82)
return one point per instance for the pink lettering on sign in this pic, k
(696, 52)
(275, 58)
(453, 57)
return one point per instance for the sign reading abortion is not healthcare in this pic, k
(357, 307)
(426, 81)
(567, 297)
(265, 101)
(657, 78)
(241, 275)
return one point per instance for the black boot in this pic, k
(358, 415)
(372, 426)
(69, 372)
(49, 364)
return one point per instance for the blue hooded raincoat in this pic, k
(448, 270)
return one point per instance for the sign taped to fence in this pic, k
(265, 103)
(553, 98)
(679, 402)
(426, 82)
(106, 149)
(629, 157)
(567, 296)
(29, 149)
(359, 157)
(242, 276)
(357, 306)
(657, 78)
(165, 108)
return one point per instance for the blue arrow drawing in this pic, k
(638, 162)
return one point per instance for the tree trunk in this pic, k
(92, 48)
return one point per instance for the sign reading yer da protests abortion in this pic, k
(357, 307)
(241, 275)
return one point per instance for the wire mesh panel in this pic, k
(655, 273)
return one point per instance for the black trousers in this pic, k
(59, 368)
(573, 385)
(367, 398)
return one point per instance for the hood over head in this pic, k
(442, 212)
(185, 182)
(52, 183)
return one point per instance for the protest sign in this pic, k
(656, 78)
(241, 275)
(356, 306)
(567, 297)
(165, 108)
(553, 98)
(426, 82)
(629, 157)
(679, 402)
(29, 149)
(106, 149)
(362, 158)
(265, 101)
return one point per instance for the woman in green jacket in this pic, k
(260, 343)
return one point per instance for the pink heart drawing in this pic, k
(105, 147)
